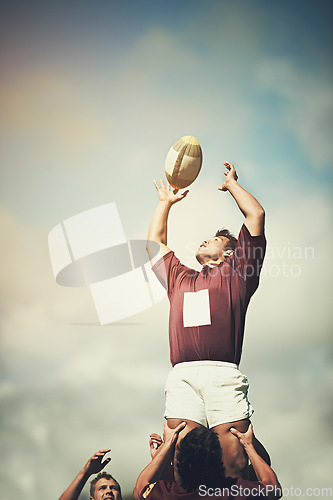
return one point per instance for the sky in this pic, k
(92, 96)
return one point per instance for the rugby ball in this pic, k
(183, 162)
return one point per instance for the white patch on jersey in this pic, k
(196, 309)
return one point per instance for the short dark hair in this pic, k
(231, 245)
(199, 459)
(99, 476)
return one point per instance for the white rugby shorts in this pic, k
(207, 392)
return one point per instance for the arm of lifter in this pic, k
(264, 472)
(155, 442)
(154, 470)
(250, 207)
(93, 466)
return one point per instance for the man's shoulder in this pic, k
(245, 235)
(161, 257)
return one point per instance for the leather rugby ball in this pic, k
(183, 162)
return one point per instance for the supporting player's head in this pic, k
(199, 459)
(104, 486)
(216, 249)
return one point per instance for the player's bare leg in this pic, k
(190, 424)
(234, 458)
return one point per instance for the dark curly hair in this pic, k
(231, 245)
(199, 459)
(99, 476)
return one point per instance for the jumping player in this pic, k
(206, 322)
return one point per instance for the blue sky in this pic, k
(92, 96)
(250, 78)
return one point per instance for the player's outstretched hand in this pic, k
(95, 464)
(170, 435)
(155, 442)
(231, 175)
(245, 438)
(168, 194)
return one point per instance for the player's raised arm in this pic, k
(158, 227)
(249, 206)
(93, 466)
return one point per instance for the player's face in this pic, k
(211, 250)
(106, 489)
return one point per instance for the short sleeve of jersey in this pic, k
(248, 256)
(147, 492)
(167, 269)
(156, 491)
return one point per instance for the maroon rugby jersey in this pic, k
(207, 308)
(235, 489)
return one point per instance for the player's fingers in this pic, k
(106, 461)
(155, 436)
(180, 427)
(175, 191)
(184, 194)
(162, 183)
(156, 185)
(157, 440)
(155, 444)
(235, 432)
(98, 454)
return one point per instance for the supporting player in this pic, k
(207, 318)
(103, 486)
(199, 470)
